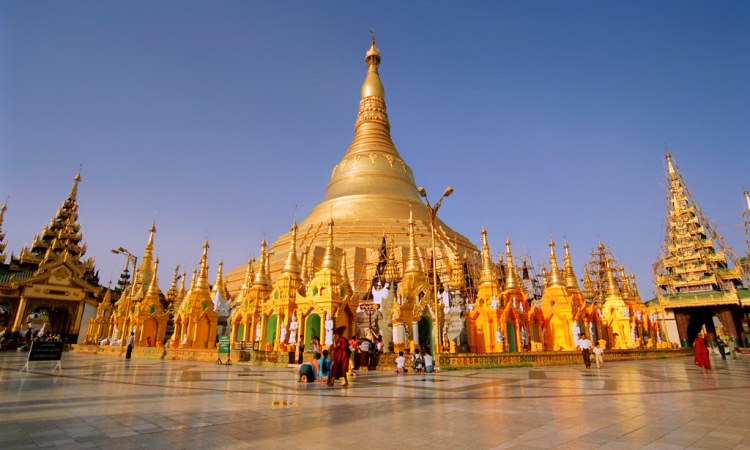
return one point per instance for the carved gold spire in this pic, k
(413, 264)
(391, 268)
(329, 260)
(511, 278)
(670, 167)
(588, 286)
(612, 288)
(249, 275)
(555, 278)
(626, 290)
(372, 86)
(219, 286)
(193, 278)
(153, 287)
(571, 283)
(202, 281)
(291, 267)
(261, 277)
(487, 273)
(635, 294)
(344, 271)
(74, 190)
(458, 275)
(147, 262)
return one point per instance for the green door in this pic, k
(312, 329)
(511, 337)
(271, 329)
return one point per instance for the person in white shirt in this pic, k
(400, 363)
(585, 345)
(429, 362)
(598, 354)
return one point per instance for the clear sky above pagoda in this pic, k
(214, 119)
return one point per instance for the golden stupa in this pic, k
(371, 193)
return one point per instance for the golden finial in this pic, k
(458, 276)
(202, 280)
(555, 278)
(511, 279)
(173, 286)
(74, 189)
(260, 276)
(305, 273)
(413, 264)
(329, 261)
(670, 166)
(612, 287)
(588, 286)
(747, 200)
(290, 266)
(344, 272)
(153, 287)
(372, 86)
(182, 284)
(636, 295)
(488, 274)
(571, 282)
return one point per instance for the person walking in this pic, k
(721, 344)
(341, 357)
(701, 354)
(130, 340)
(585, 344)
(599, 356)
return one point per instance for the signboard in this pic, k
(46, 351)
(223, 345)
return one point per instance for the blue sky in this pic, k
(214, 119)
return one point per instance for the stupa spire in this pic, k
(612, 287)
(202, 281)
(488, 274)
(74, 190)
(291, 266)
(511, 278)
(555, 278)
(329, 260)
(413, 264)
(153, 287)
(571, 283)
(261, 277)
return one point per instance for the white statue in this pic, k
(446, 298)
(115, 334)
(329, 330)
(494, 303)
(524, 336)
(282, 334)
(576, 332)
(499, 338)
(293, 330)
(379, 294)
(515, 305)
(257, 332)
(658, 336)
(591, 330)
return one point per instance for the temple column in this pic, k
(79, 316)
(415, 333)
(20, 313)
(682, 320)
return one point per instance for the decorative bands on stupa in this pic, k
(372, 109)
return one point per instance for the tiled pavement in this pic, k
(102, 402)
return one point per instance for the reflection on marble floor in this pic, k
(100, 402)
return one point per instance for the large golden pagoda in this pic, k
(370, 194)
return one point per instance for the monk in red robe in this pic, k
(341, 354)
(701, 354)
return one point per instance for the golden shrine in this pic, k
(195, 320)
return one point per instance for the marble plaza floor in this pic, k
(103, 402)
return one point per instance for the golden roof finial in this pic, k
(747, 200)
(636, 295)
(413, 264)
(555, 278)
(182, 283)
(194, 278)
(571, 282)
(511, 278)
(612, 287)
(248, 281)
(153, 287)
(261, 278)
(372, 87)
(488, 274)
(670, 166)
(626, 290)
(329, 261)
(290, 266)
(202, 280)
(173, 286)
(74, 190)
(588, 286)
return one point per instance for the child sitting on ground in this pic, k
(325, 367)
(400, 363)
